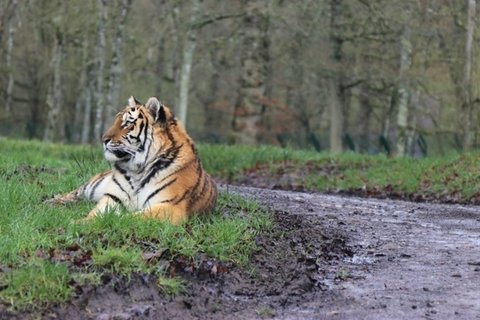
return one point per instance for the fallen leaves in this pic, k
(72, 255)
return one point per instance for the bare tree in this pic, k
(467, 103)
(249, 108)
(403, 89)
(100, 53)
(116, 67)
(336, 85)
(8, 56)
(79, 112)
(54, 129)
(87, 115)
(212, 117)
(187, 59)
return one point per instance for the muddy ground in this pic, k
(328, 257)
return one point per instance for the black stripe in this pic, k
(196, 195)
(200, 172)
(162, 163)
(168, 200)
(213, 190)
(170, 136)
(158, 165)
(124, 174)
(120, 186)
(141, 149)
(95, 185)
(122, 171)
(142, 125)
(149, 145)
(158, 190)
(145, 136)
(212, 197)
(186, 165)
(114, 198)
(211, 194)
(192, 146)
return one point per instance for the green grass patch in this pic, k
(228, 161)
(171, 286)
(38, 282)
(43, 251)
(123, 261)
(454, 177)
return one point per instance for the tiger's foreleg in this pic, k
(92, 190)
(106, 203)
(165, 212)
(67, 198)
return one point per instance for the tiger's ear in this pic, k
(132, 102)
(157, 110)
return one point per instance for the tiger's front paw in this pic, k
(86, 219)
(57, 200)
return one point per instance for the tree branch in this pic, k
(211, 19)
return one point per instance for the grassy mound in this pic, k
(44, 253)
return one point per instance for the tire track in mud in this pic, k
(411, 260)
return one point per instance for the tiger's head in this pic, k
(136, 131)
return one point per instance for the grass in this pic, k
(43, 252)
(171, 286)
(229, 161)
(37, 282)
(454, 177)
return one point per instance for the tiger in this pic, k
(155, 168)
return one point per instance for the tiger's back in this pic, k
(156, 171)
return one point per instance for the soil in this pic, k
(328, 257)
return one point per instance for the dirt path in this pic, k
(410, 260)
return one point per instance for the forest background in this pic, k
(397, 77)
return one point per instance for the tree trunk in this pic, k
(467, 105)
(187, 60)
(248, 112)
(174, 61)
(80, 101)
(8, 59)
(54, 130)
(403, 90)
(295, 95)
(336, 88)
(412, 119)
(35, 106)
(365, 119)
(336, 119)
(211, 126)
(87, 115)
(100, 56)
(116, 67)
(159, 67)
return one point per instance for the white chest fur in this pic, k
(135, 191)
